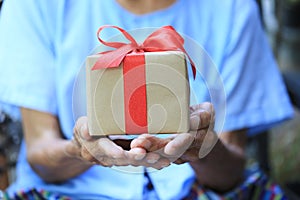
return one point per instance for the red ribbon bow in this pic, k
(163, 39)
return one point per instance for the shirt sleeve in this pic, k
(256, 95)
(27, 55)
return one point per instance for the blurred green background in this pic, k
(281, 19)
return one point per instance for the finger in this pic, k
(102, 147)
(152, 158)
(150, 142)
(179, 144)
(141, 142)
(80, 121)
(110, 149)
(84, 132)
(81, 127)
(136, 154)
(200, 119)
(160, 164)
(203, 106)
(205, 120)
(106, 162)
(199, 138)
(149, 160)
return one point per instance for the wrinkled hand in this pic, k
(106, 152)
(148, 150)
(183, 147)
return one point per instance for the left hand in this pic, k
(183, 147)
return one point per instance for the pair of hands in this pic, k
(148, 150)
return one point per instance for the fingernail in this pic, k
(165, 165)
(147, 144)
(142, 142)
(195, 121)
(195, 118)
(151, 161)
(139, 156)
(82, 129)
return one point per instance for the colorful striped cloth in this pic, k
(34, 194)
(257, 186)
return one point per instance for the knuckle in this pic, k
(86, 155)
(205, 118)
(106, 163)
(199, 137)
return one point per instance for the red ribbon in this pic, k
(163, 39)
(135, 98)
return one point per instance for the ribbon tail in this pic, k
(194, 70)
(106, 61)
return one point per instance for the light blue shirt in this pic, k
(43, 44)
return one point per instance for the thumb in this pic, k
(179, 144)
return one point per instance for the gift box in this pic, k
(147, 93)
(139, 88)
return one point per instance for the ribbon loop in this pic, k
(116, 44)
(163, 39)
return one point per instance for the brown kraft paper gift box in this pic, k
(166, 95)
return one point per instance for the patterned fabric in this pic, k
(34, 194)
(257, 186)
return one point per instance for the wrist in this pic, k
(57, 161)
